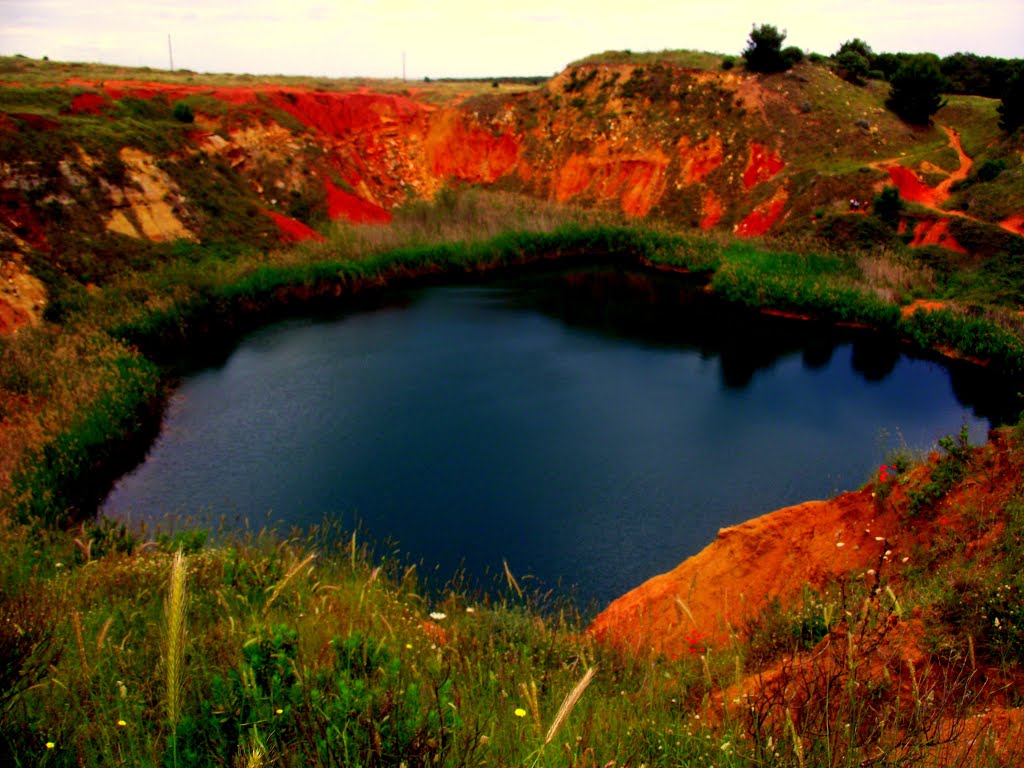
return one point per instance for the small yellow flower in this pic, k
(50, 745)
(520, 712)
(121, 723)
(409, 646)
(279, 711)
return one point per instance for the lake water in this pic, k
(591, 428)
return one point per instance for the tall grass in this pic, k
(175, 613)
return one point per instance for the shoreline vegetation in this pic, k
(314, 650)
(70, 459)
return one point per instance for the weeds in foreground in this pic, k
(340, 659)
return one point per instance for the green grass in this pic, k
(680, 58)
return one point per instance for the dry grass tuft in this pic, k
(569, 703)
(175, 611)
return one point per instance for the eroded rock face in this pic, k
(708, 149)
(145, 206)
(22, 297)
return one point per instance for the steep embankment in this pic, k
(90, 160)
(896, 525)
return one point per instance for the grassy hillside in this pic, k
(130, 225)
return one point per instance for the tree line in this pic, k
(918, 81)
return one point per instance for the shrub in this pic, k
(183, 113)
(792, 55)
(728, 62)
(888, 205)
(947, 473)
(916, 92)
(990, 169)
(858, 47)
(764, 50)
(852, 67)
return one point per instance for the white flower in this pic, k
(438, 616)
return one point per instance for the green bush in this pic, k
(916, 89)
(183, 113)
(853, 67)
(764, 50)
(888, 205)
(990, 169)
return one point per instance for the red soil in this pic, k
(911, 188)
(35, 122)
(18, 216)
(292, 230)
(762, 166)
(89, 104)
(700, 159)
(637, 180)
(344, 114)
(935, 232)
(715, 591)
(12, 318)
(457, 149)
(925, 305)
(345, 205)
(712, 209)
(1014, 224)
(760, 220)
(914, 190)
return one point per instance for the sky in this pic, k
(482, 38)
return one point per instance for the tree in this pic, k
(764, 50)
(854, 61)
(917, 87)
(857, 46)
(1011, 108)
(853, 67)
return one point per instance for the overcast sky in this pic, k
(482, 38)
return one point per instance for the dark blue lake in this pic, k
(592, 428)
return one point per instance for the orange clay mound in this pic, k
(735, 576)
(935, 232)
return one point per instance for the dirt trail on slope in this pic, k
(914, 190)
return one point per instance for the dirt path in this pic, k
(942, 191)
(913, 189)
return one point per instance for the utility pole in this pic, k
(170, 51)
